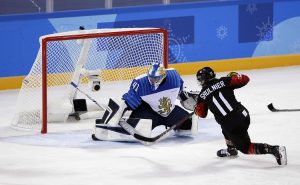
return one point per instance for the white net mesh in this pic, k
(115, 57)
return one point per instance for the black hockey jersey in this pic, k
(218, 96)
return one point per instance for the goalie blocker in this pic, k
(108, 127)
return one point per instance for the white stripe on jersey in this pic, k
(225, 102)
(219, 106)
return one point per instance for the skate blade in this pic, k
(283, 159)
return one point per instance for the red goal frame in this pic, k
(46, 40)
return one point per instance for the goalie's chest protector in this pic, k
(163, 99)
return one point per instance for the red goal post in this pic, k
(116, 54)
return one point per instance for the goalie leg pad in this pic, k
(116, 133)
(109, 133)
(192, 128)
(142, 126)
(113, 113)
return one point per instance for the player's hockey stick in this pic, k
(273, 109)
(88, 96)
(152, 140)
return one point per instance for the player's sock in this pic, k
(279, 152)
(259, 148)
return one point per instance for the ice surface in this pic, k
(67, 155)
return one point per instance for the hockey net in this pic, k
(113, 54)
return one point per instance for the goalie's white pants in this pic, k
(117, 133)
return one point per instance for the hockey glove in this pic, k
(188, 99)
(201, 110)
(231, 74)
(183, 95)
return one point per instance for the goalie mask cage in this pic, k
(115, 54)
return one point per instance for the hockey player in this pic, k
(151, 98)
(217, 95)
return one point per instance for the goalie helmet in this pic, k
(204, 75)
(156, 74)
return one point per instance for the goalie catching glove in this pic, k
(188, 99)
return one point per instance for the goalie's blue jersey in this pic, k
(162, 100)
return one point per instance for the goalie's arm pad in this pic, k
(131, 100)
(132, 97)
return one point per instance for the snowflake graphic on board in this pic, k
(265, 31)
(176, 46)
(222, 32)
(251, 8)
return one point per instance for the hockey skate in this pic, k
(280, 154)
(229, 152)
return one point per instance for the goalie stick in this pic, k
(273, 109)
(152, 140)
